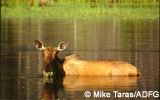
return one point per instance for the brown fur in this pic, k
(48, 59)
(75, 66)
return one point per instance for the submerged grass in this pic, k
(79, 11)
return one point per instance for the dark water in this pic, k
(136, 42)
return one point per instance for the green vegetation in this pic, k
(82, 9)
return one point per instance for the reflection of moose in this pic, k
(52, 88)
(58, 88)
(73, 65)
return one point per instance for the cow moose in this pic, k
(74, 65)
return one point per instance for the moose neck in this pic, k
(58, 62)
(57, 66)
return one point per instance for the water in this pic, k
(136, 42)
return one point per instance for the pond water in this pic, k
(136, 42)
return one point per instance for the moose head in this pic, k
(52, 63)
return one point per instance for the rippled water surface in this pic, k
(136, 42)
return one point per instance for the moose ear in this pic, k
(62, 46)
(39, 45)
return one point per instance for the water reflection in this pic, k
(54, 88)
(20, 87)
(136, 42)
